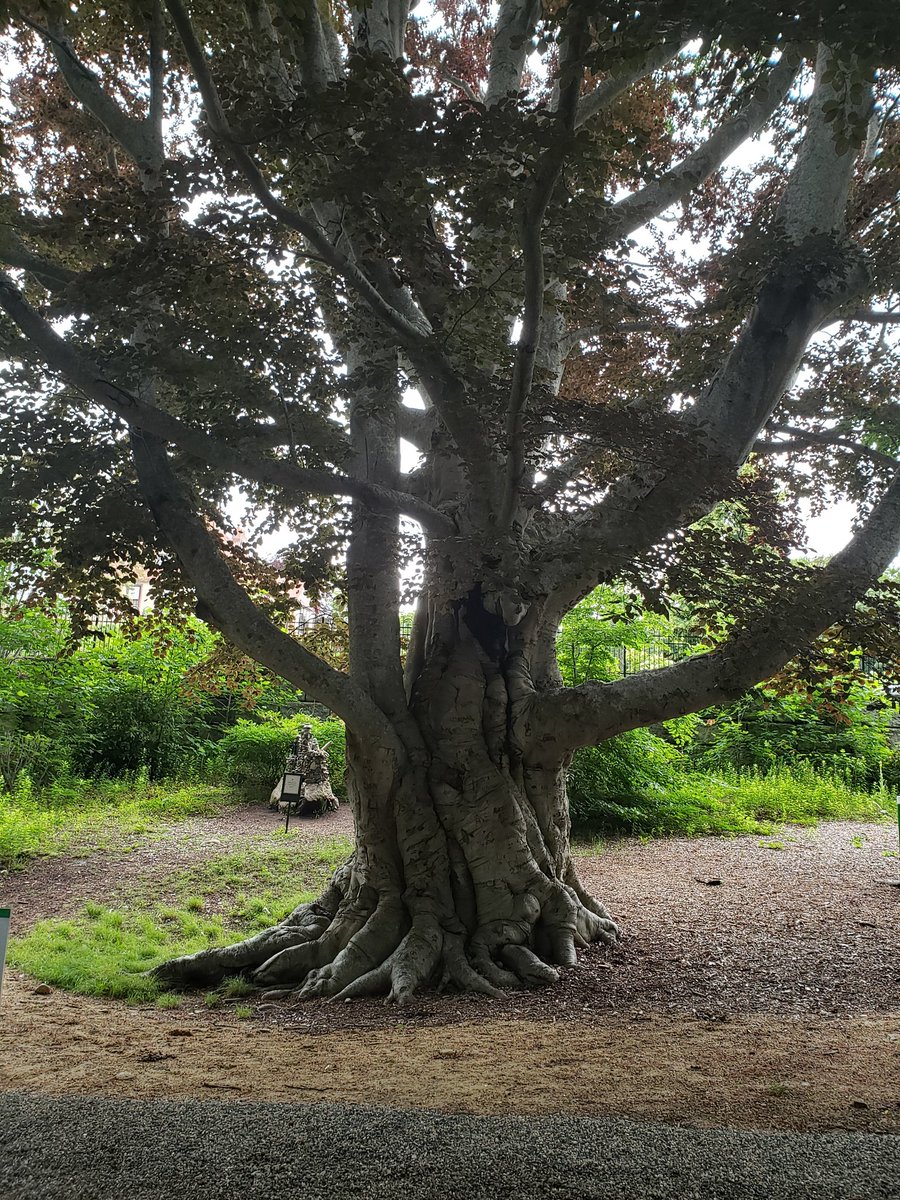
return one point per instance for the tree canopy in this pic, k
(538, 225)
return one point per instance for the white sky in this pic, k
(831, 530)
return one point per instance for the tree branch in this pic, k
(466, 88)
(414, 426)
(136, 135)
(718, 432)
(642, 206)
(815, 199)
(558, 477)
(607, 92)
(509, 47)
(157, 70)
(80, 372)
(380, 27)
(531, 218)
(804, 439)
(447, 390)
(15, 253)
(871, 317)
(815, 278)
(319, 61)
(243, 622)
(581, 716)
(587, 332)
(411, 337)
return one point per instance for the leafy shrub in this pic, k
(252, 753)
(138, 723)
(890, 772)
(609, 782)
(738, 803)
(762, 731)
(110, 705)
(32, 756)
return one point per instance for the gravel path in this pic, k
(75, 1149)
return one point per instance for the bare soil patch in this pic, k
(59, 885)
(753, 1072)
(755, 986)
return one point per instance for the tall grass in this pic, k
(72, 814)
(733, 802)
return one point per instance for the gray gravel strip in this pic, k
(90, 1149)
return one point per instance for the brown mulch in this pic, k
(752, 1072)
(59, 885)
(711, 927)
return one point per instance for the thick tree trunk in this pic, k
(462, 874)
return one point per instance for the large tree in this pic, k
(241, 237)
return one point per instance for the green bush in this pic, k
(252, 753)
(762, 731)
(737, 803)
(110, 705)
(33, 756)
(890, 772)
(608, 782)
(42, 699)
(139, 723)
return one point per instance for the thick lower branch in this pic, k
(243, 623)
(571, 717)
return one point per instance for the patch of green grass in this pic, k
(772, 845)
(735, 803)
(235, 986)
(778, 1089)
(106, 951)
(243, 1011)
(90, 815)
(169, 1000)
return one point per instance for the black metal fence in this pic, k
(589, 660)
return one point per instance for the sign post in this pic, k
(4, 938)
(291, 791)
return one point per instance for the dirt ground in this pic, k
(757, 985)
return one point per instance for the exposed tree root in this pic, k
(354, 942)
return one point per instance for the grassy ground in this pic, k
(85, 814)
(732, 803)
(104, 951)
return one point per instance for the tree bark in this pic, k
(462, 875)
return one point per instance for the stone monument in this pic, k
(308, 760)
